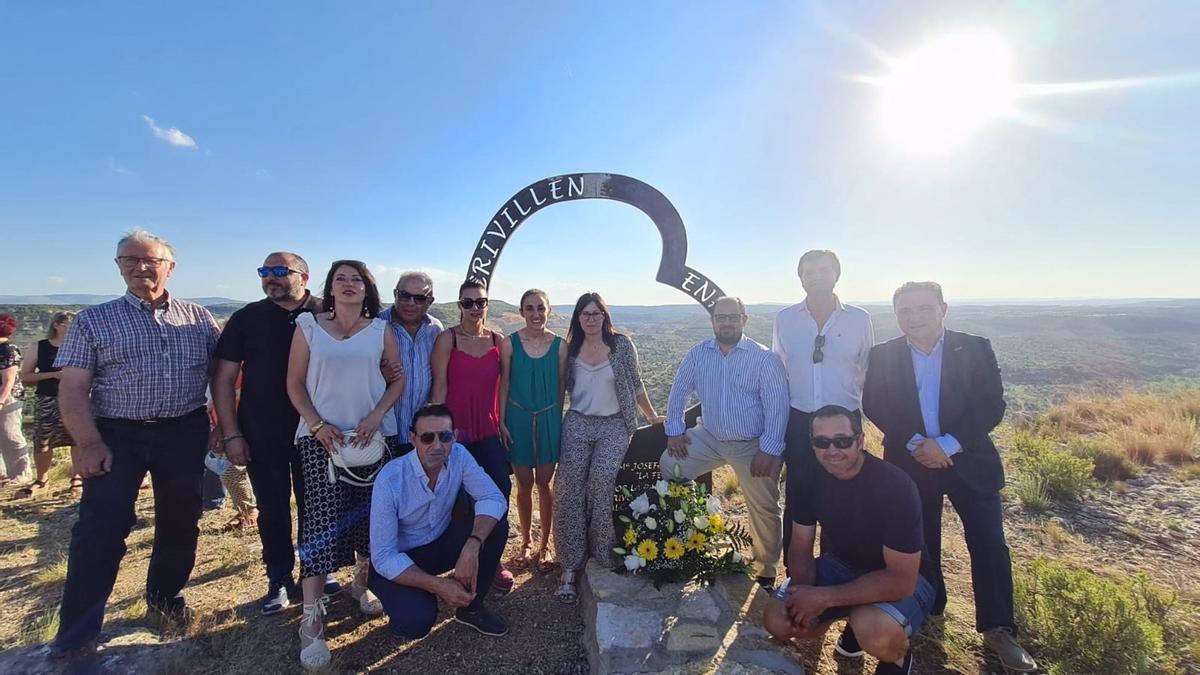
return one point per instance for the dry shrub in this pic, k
(1145, 428)
(1109, 463)
(1158, 436)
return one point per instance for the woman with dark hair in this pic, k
(13, 450)
(466, 377)
(335, 383)
(533, 361)
(606, 393)
(48, 429)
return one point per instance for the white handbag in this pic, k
(217, 464)
(348, 457)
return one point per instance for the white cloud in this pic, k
(173, 135)
(57, 281)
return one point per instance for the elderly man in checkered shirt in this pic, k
(134, 374)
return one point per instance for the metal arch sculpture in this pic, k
(672, 266)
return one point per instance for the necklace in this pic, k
(348, 332)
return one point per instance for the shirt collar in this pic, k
(146, 306)
(937, 347)
(837, 305)
(713, 344)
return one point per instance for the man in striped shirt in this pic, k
(743, 392)
(415, 332)
(134, 374)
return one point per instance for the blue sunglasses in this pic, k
(276, 271)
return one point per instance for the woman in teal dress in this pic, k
(532, 361)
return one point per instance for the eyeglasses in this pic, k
(276, 271)
(415, 298)
(818, 345)
(727, 318)
(591, 316)
(839, 442)
(443, 436)
(477, 303)
(131, 261)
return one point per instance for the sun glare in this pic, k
(938, 96)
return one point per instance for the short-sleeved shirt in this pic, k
(259, 336)
(10, 357)
(878, 507)
(147, 361)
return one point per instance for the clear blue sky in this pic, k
(392, 131)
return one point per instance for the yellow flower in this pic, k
(715, 524)
(630, 536)
(696, 542)
(673, 549)
(647, 550)
(677, 490)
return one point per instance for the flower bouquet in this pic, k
(674, 531)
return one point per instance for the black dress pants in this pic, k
(173, 452)
(274, 472)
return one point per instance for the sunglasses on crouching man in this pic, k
(839, 442)
(443, 436)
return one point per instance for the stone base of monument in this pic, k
(632, 627)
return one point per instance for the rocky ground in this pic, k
(1149, 524)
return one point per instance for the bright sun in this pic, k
(936, 97)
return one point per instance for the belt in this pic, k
(533, 420)
(154, 421)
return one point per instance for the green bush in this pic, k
(1065, 476)
(1080, 622)
(1031, 492)
(1109, 462)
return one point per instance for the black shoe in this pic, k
(847, 645)
(893, 669)
(481, 620)
(276, 599)
(767, 583)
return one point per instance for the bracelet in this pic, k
(316, 428)
(476, 538)
(230, 437)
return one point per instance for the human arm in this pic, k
(91, 457)
(773, 396)
(562, 374)
(439, 362)
(643, 400)
(370, 424)
(875, 404)
(224, 394)
(8, 378)
(681, 390)
(983, 399)
(29, 376)
(490, 507)
(506, 352)
(297, 390)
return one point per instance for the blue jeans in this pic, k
(412, 611)
(909, 612)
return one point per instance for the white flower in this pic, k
(641, 505)
(650, 523)
(701, 522)
(680, 516)
(632, 562)
(714, 506)
(661, 487)
(737, 557)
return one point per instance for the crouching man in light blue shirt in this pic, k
(415, 536)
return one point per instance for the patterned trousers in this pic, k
(592, 451)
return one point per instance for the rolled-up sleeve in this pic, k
(488, 499)
(386, 556)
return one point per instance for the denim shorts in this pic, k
(909, 612)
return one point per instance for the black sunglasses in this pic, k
(839, 442)
(443, 436)
(477, 303)
(418, 298)
(818, 355)
(276, 271)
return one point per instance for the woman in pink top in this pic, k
(466, 377)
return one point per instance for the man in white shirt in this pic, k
(824, 346)
(414, 539)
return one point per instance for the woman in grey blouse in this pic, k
(606, 392)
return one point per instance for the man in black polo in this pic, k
(259, 430)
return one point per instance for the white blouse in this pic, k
(344, 380)
(595, 389)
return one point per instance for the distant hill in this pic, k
(93, 299)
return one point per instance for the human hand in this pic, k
(656, 419)
(329, 438)
(931, 455)
(466, 570)
(505, 436)
(762, 465)
(365, 431)
(677, 446)
(238, 451)
(391, 370)
(92, 459)
(804, 604)
(215, 441)
(452, 593)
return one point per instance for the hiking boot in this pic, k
(847, 645)
(905, 668)
(1012, 655)
(481, 620)
(276, 599)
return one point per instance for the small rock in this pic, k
(698, 603)
(624, 627)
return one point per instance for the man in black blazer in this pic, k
(936, 394)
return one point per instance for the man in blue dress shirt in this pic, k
(414, 539)
(936, 394)
(743, 392)
(415, 332)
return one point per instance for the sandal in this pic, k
(566, 593)
(520, 561)
(368, 604)
(76, 485)
(234, 524)
(545, 564)
(316, 653)
(32, 489)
